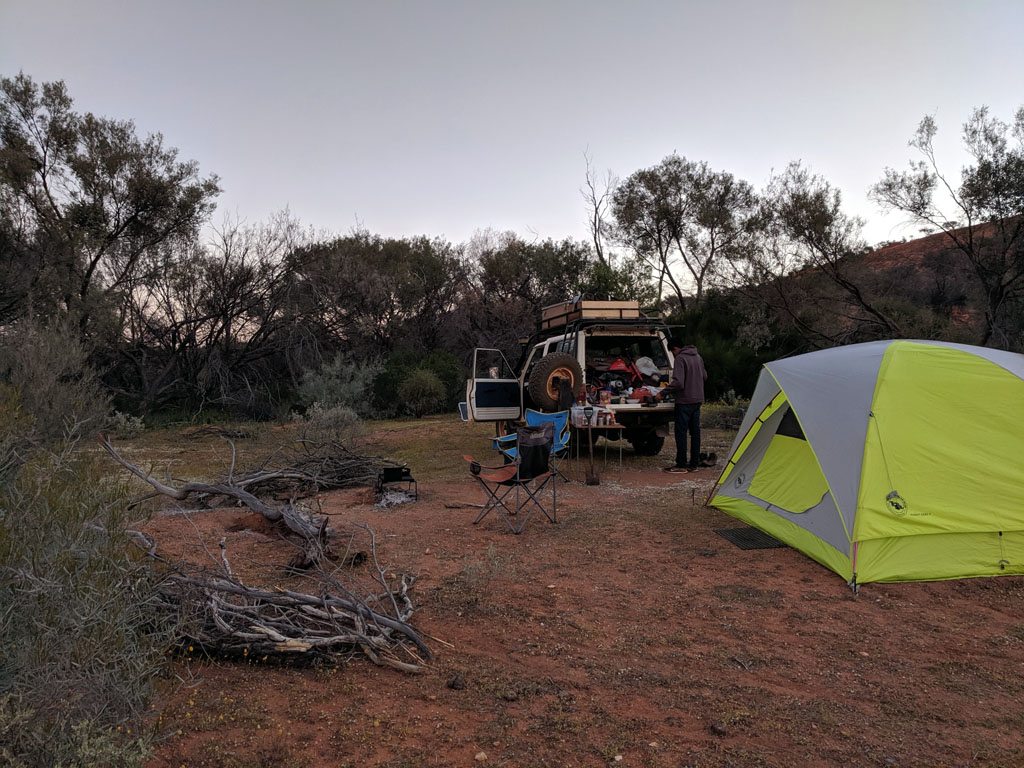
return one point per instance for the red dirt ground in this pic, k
(628, 634)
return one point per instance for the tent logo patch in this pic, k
(896, 503)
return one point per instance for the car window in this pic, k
(491, 364)
(606, 349)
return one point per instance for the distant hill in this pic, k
(925, 288)
(915, 252)
(930, 272)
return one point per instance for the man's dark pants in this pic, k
(687, 421)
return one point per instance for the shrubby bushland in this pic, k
(342, 381)
(81, 635)
(48, 366)
(422, 392)
(402, 367)
(325, 424)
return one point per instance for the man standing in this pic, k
(687, 384)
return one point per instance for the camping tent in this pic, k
(887, 461)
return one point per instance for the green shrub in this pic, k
(723, 415)
(340, 382)
(57, 388)
(82, 630)
(124, 425)
(388, 400)
(421, 393)
(323, 424)
(15, 431)
(27, 741)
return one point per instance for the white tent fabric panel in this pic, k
(831, 393)
(764, 392)
(822, 520)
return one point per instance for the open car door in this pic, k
(494, 392)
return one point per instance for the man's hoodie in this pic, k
(688, 376)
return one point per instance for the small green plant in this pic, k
(56, 387)
(125, 426)
(341, 382)
(422, 392)
(322, 423)
(28, 741)
(477, 573)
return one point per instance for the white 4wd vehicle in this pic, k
(581, 346)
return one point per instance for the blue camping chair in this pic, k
(508, 487)
(559, 450)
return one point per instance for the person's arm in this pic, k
(674, 383)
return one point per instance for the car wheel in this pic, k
(647, 443)
(546, 375)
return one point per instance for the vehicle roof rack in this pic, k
(556, 315)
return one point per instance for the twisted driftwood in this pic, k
(223, 616)
(210, 430)
(309, 467)
(317, 539)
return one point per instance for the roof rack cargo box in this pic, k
(585, 309)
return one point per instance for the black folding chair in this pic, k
(532, 464)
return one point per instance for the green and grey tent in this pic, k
(887, 461)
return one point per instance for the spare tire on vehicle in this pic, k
(546, 375)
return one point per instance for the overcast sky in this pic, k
(443, 118)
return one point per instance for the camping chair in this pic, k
(532, 464)
(560, 448)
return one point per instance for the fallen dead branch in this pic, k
(316, 539)
(308, 467)
(210, 430)
(225, 617)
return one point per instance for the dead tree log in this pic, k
(231, 618)
(306, 467)
(317, 539)
(223, 616)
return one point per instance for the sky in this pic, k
(445, 118)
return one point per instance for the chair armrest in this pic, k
(503, 443)
(473, 461)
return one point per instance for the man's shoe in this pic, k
(677, 469)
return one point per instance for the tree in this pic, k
(681, 211)
(215, 324)
(597, 194)
(725, 215)
(649, 208)
(806, 265)
(509, 280)
(369, 295)
(82, 200)
(983, 216)
(808, 214)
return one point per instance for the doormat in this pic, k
(750, 538)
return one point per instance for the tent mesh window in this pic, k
(750, 538)
(789, 426)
